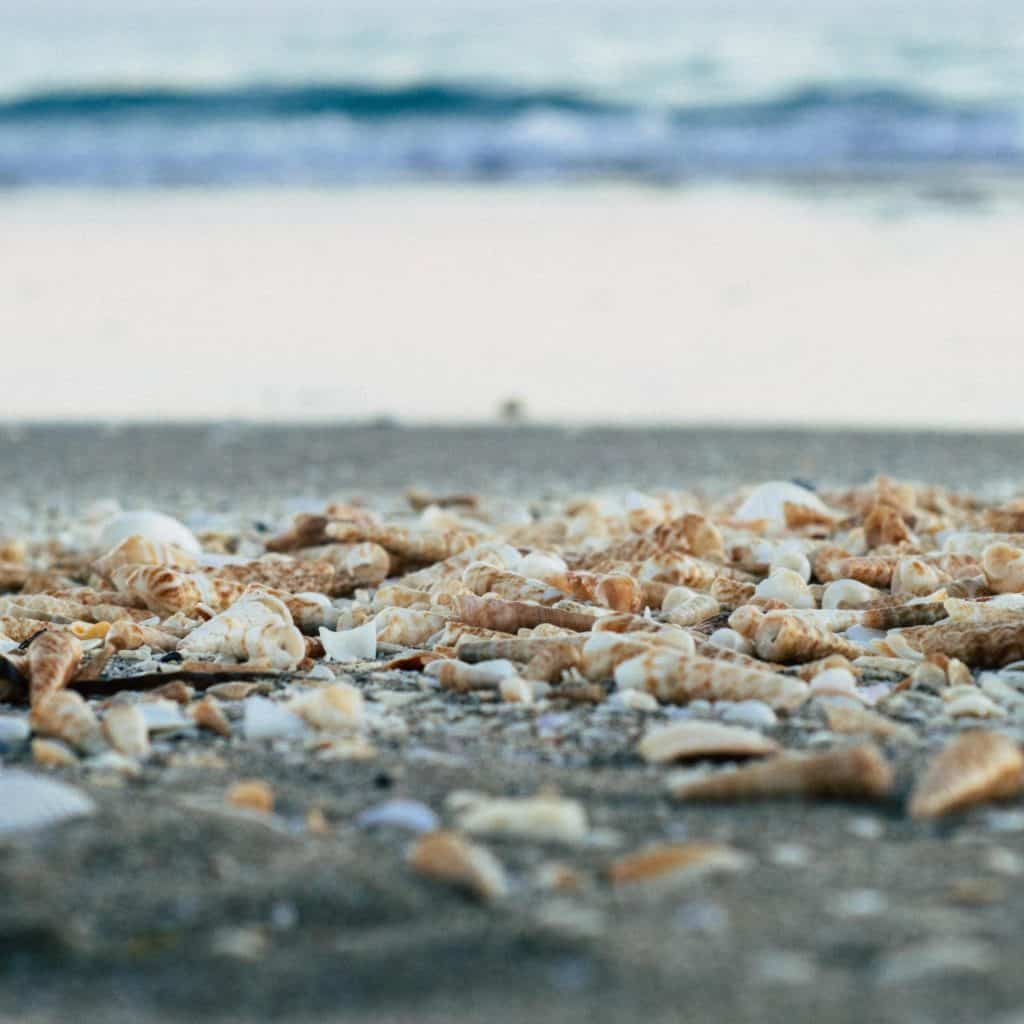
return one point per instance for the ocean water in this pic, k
(224, 92)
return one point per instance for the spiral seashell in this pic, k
(859, 773)
(553, 659)
(984, 645)
(462, 677)
(53, 658)
(139, 550)
(257, 626)
(913, 577)
(787, 586)
(511, 616)
(691, 741)
(678, 678)
(686, 607)
(411, 545)
(884, 525)
(786, 638)
(407, 626)
(976, 767)
(731, 593)
(129, 636)
(153, 526)
(159, 588)
(848, 594)
(768, 502)
(1004, 608)
(66, 716)
(481, 578)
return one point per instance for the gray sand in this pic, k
(848, 914)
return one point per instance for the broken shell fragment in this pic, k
(683, 741)
(124, 726)
(670, 864)
(447, 857)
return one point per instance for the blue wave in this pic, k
(342, 133)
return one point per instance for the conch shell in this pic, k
(257, 626)
(787, 638)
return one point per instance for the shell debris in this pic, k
(684, 741)
(449, 858)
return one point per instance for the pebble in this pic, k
(266, 719)
(943, 957)
(859, 903)
(13, 729)
(865, 827)
(754, 714)
(410, 815)
(784, 967)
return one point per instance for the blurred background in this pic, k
(698, 211)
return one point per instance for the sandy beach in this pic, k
(156, 909)
(603, 304)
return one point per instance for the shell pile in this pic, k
(766, 620)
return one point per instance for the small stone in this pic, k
(784, 967)
(865, 827)
(53, 754)
(1004, 861)
(251, 795)
(409, 815)
(791, 855)
(859, 903)
(239, 943)
(940, 957)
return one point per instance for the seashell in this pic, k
(602, 652)
(897, 645)
(973, 705)
(848, 594)
(680, 570)
(66, 716)
(988, 645)
(1008, 518)
(859, 773)
(359, 644)
(1003, 608)
(785, 638)
(411, 545)
(163, 716)
(539, 564)
(158, 587)
(768, 501)
(306, 530)
(514, 690)
(678, 678)
(554, 658)
(686, 607)
(922, 613)
(835, 682)
(256, 626)
(684, 741)
(730, 640)
(913, 577)
(29, 801)
(676, 864)
(481, 578)
(13, 729)
(251, 795)
(745, 620)
(884, 525)
(853, 720)
(447, 857)
(338, 707)
(153, 526)
(53, 658)
(871, 570)
(617, 591)
(753, 714)
(407, 626)
(125, 728)
(976, 767)
(125, 635)
(264, 719)
(208, 714)
(1003, 566)
(281, 574)
(53, 754)
(510, 616)
(731, 593)
(355, 565)
(137, 549)
(408, 815)
(787, 586)
(545, 817)
(462, 677)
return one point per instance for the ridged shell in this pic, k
(53, 659)
(407, 626)
(153, 526)
(66, 716)
(139, 550)
(125, 729)
(256, 626)
(786, 638)
(860, 773)
(976, 767)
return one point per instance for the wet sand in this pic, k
(154, 910)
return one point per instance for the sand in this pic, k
(603, 304)
(153, 911)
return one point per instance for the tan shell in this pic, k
(447, 857)
(334, 708)
(208, 714)
(731, 593)
(66, 716)
(125, 729)
(407, 626)
(53, 658)
(511, 616)
(157, 587)
(860, 773)
(913, 577)
(355, 565)
(552, 659)
(853, 720)
(686, 607)
(685, 741)
(976, 767)
(676, 863)
(410, 545)
(679, 678)
(128, 636)
(140, 550)
(786, 638)
(281, 574)
(545, 817)
(481, 578)
(251, 795)
(1003, 565)
(988, 645)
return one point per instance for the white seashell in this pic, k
(265, 719)
(112, 762)
(895, 645)
(848, 594)
(256, 626)
(730, 640)
(13, 729)
(788, 586)
(407, 626)
(30, 801)
(544, 817)
(359, 644)
(514, 690)
(863, 635)
(126, 730)
(484, 675)
(974, 705)
(161, 716)
(693, 740)
(632, 700)
(792, 559)
(754, 714)
(154, 526)
(538, 564)
(835, 682)
(410, 815)
(768, 501)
